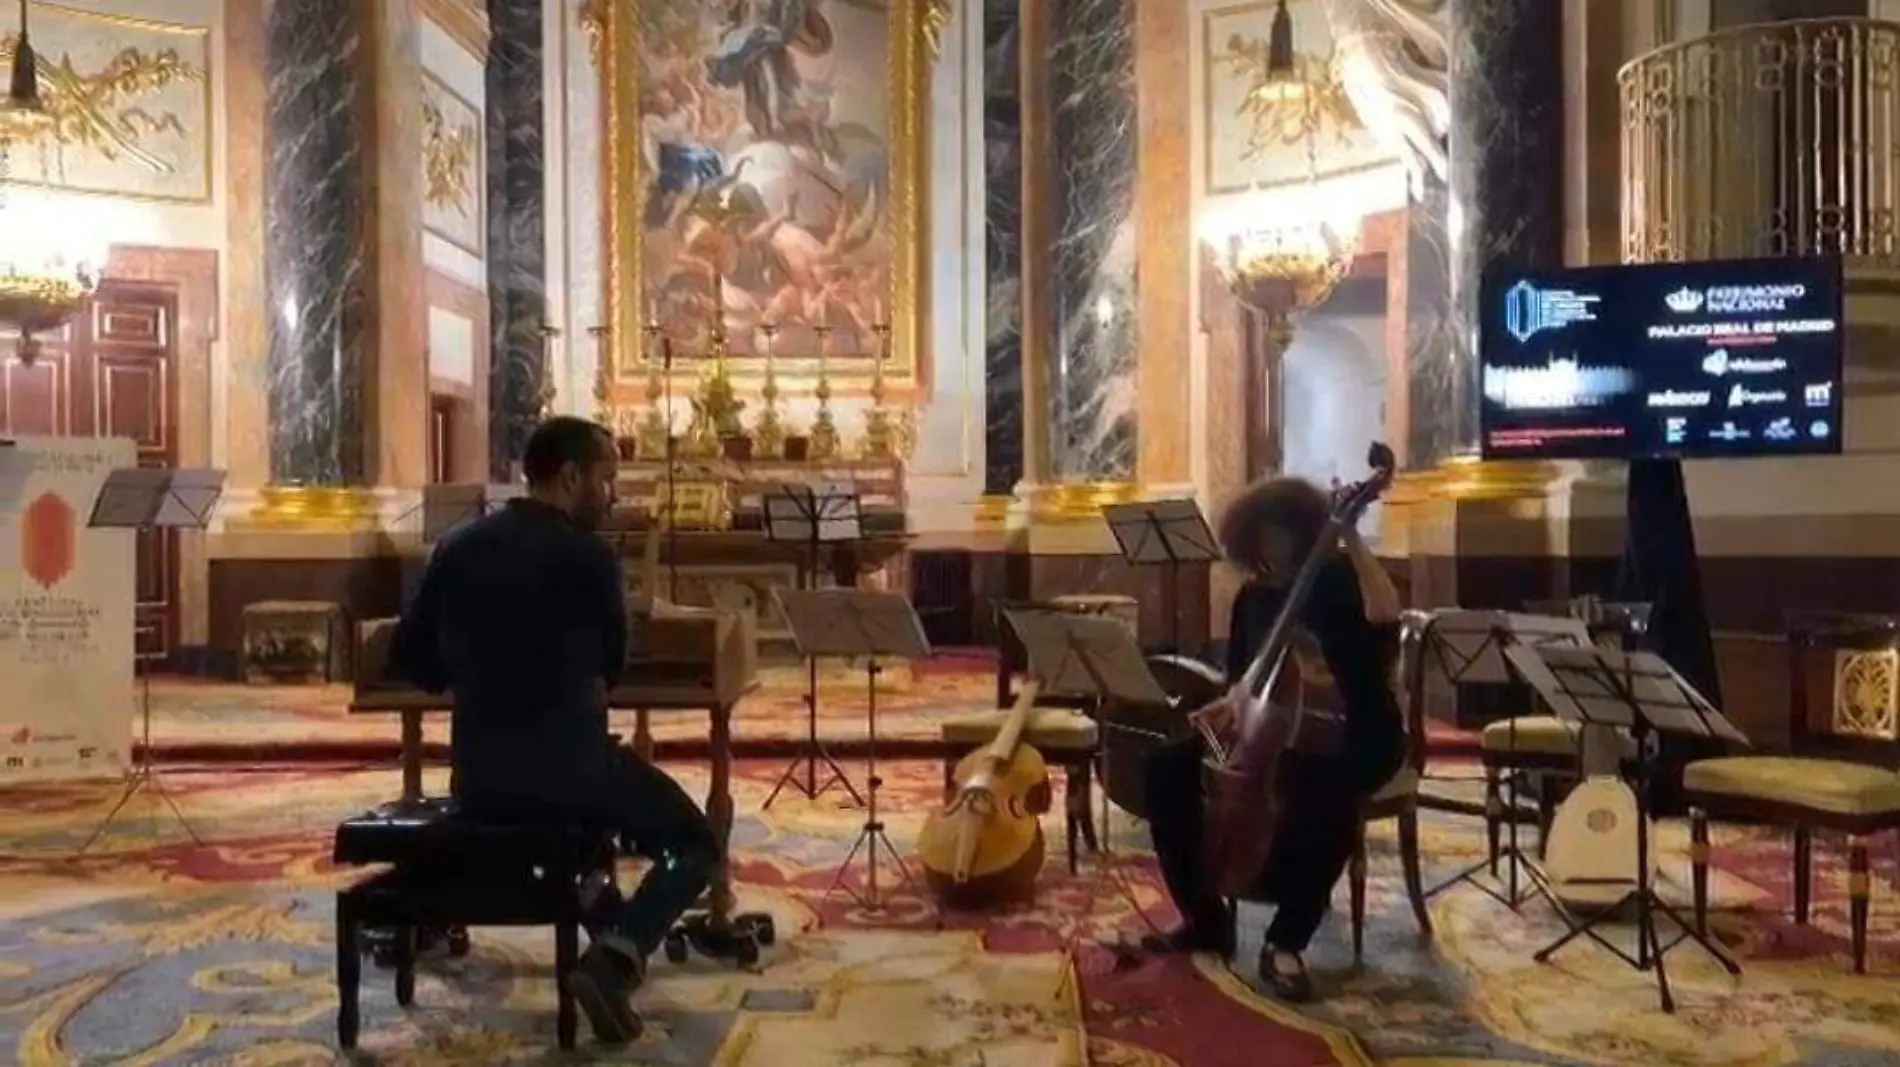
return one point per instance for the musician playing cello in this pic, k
(1352, 613)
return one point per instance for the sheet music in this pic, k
(1469, 644)
(1162, 531)
(1084, 656)
(826, 512)
(853, 622)
(192, 497)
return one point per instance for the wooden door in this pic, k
(110, 374)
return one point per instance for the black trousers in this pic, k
(657, 821)
(1323, 796)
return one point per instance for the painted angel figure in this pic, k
(1392, 58)
(754, 55)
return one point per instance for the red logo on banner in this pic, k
(48, 540)
(22, 735)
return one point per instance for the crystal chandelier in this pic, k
(41, 282)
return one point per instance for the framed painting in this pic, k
(452, 167)
(766, 174)
(130, 100)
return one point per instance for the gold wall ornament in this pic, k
(448, 160)
(101, 110)
(866, 239)
(1867, 694)
(593, 20)
(936, 17)
(1283, 109)
(336, 509)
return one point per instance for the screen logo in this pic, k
(1819, 429)
(1529, 311)
(1680, 398)
(1781, 429)
(1560, 383)
(1742, 396)
(1719, 362)
(1675, 429)
(1819, 395)
(1729, 432)
(1684, 301)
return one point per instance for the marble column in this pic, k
(517, 229)
(1003, 248)
(1431, 342)
(1092, 138)
(317, 247)
(1506, 189)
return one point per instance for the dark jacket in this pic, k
(522, 616)
(1359, 653)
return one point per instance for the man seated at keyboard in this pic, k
(522, 615)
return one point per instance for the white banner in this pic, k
(66, 607)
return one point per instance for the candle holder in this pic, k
(824, 429)
(604, 377)
(545, 394)
(881, 436)
(657, 424)
(769, 433)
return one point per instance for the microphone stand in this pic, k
(671, 459)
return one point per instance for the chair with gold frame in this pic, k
(1842, 769)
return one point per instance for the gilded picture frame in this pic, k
(628, 353)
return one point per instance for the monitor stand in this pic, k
(1660, 567)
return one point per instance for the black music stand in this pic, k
(813, 516)
(1166, 533)
(1093, 658)
(871, 624)
(1638, 692)
(1468, 648)
(150, 499)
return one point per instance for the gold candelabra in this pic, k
(657, 423)
(881, 436)
(604, 376)
(716, 409)
(544, 398)
(768, 435)
(824, 429)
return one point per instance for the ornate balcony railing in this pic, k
(1769, 140)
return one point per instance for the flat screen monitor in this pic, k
(1662, 360)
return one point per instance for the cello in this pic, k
(1247, 732)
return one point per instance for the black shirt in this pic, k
(522, 616)
(1360, 653)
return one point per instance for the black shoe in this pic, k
(603, 984)
(1185, 939)
(1285, 974)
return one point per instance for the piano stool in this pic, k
(1065, 738)
(447, 871)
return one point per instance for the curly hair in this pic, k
(1295, 505)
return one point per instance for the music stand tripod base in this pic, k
(873, 625)
(813, 517)
(142, 499)
(1644, 695)
(1091, 657)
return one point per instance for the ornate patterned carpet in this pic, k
(150, 950)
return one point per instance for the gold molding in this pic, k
(908, 377)
(465, 21)
(298, 507)
(1467, 477)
